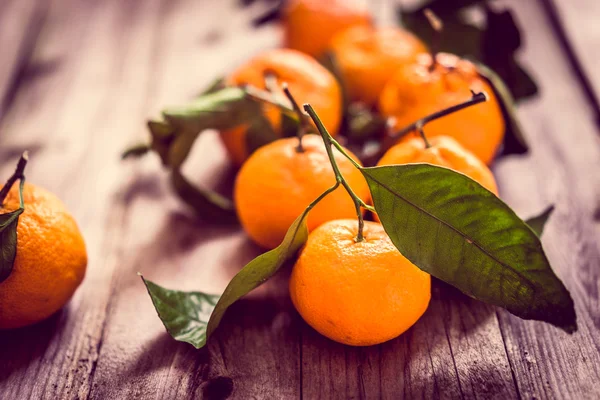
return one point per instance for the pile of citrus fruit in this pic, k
(357, 293)
(350, 282)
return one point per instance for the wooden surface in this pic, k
(79, 78)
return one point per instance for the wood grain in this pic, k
(109, 65)
(574, 22)
(20, 21)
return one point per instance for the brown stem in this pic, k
(393, 138)
(304, 124)
(18, 174)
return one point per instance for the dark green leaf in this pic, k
(514, 141)
(8, 242)
(160, 130)
(136, 151)
(8, 236)
(289, 125)
(260, 132)
(494, 45)
(363, 124)
(259, 270)
(538, 222)
(207, 204)
(224, 109)
(451, 227)
(184, 314)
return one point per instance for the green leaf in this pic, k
(259, 270)
(259, 133)
(8, 236)
(451, 227)
(514, 140)
(289, 125)
(224, 109)
(184, 314)
(136, 151)
(538, 222)
(207, 204)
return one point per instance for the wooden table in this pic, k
(77, 81)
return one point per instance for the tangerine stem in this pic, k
(422, 133)
(328, 140)
(475, 99)
(301, 117)
(18, 174)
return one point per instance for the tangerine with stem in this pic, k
(51, 258)
(308, 79)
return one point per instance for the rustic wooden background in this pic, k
(77, 81)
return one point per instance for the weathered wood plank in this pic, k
(20, 22)
(111, 64)
(561, 170)
(577, 22)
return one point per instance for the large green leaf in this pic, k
(184, 314)
(538, 222)
(8, 236)
(451, 227)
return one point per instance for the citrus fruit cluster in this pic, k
(350, 282)
(355, 292)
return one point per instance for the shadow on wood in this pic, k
(20, 347)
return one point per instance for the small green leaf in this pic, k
(206, 203)
(451, 227)
(8, 236)
(538, 222)
(136, 151)
(259, 133)
(224, 109)
(184, 314)
(261, 269)
(514, 140)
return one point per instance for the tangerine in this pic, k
(50, 262)
(307, 79)
(309, 25)
(357, 293)
(416, 90)
(444, 151)
(278, 182)
(368, 57)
